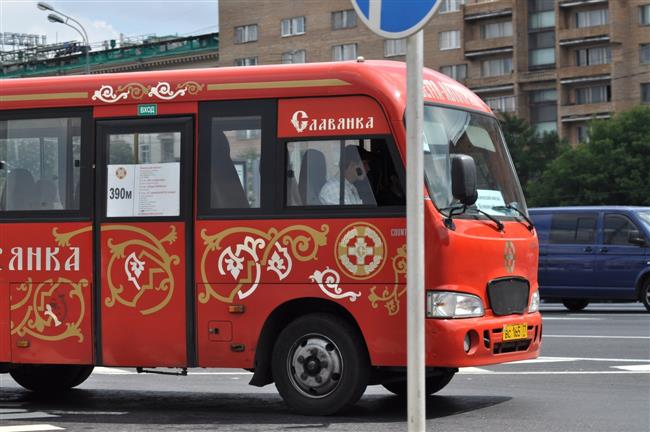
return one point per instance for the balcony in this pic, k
(479, 45)
(584, 112)
(538, 75)
(576, 36)
(584, 72)
(575, 3)
(494, 9)
(495, 83)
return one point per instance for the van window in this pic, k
(618, 229)
(573, 229)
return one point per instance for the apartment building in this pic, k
(558, 63)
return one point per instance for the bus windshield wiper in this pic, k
(499, 224)
(529, 225)
(449, 223)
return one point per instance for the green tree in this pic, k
(531, 152)
(612, 168)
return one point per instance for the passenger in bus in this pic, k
(366, 185)
(353, 171)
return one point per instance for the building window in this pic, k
(593, 56)
(450, 5)
(394, 47)
(645, 92)
(645, 53)
(644, 14)
(543, 110)
(592, 18)
(449, 40)
(293, 26)
(582, 132)
(344, 19)
(299, 56)
(247, 33)
(344, 52)
(541, 14)
(501, 103)
(496, 30)
(541, 96)
(541, 49)
(496, 67)
(590, 95)
(246, 61)
(457, 72)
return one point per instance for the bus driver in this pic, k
(353, 171)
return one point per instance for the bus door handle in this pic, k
(588, 249)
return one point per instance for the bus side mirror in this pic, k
(463, 179)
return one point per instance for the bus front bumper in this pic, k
(481, 341)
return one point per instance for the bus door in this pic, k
(144, 217)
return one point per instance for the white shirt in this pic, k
(330, 193)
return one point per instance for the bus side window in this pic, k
(341, 173)
(235, 154)
(40, 169)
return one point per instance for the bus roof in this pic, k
(383, 80)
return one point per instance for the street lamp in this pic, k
(53, 17)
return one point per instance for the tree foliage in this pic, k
(613, 168)
(531, 153)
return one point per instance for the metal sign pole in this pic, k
(415, 235)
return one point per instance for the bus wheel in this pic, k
(645, 294)
(433, 384)
(320, 365)
(575, 305)
(50, 378)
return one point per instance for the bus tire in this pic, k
(433, 384)
(50, 378)
(645, 294)
(320, 365)
(575, 305)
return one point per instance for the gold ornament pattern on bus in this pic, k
(54, 309)
(361, 251)
(147, 265)
(390, 297)
(138, 91)
(244, 261)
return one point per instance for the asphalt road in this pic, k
(593, 375)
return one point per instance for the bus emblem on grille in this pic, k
(509, 256)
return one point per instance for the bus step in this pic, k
(183, 372)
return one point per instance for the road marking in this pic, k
(100, 370)
(547, 318)
(473, 370)
(572, 359)
(605, 372)
(595, 337)
(26, 415)
(30, 428)
(637, 368)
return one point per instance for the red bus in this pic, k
(255, 218)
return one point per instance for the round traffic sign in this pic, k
(395, 19)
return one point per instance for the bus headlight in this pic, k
(445, 304)
(534, 302)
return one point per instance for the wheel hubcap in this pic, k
(315, 365)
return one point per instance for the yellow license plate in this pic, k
(515, 331)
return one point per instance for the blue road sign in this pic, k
(395, 19)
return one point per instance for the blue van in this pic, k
(593, 254)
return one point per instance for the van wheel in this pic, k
(433, 384)
(645, 294)
(575, 305)
(50, 378)
(320, 365)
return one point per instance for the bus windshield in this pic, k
(449, 131)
